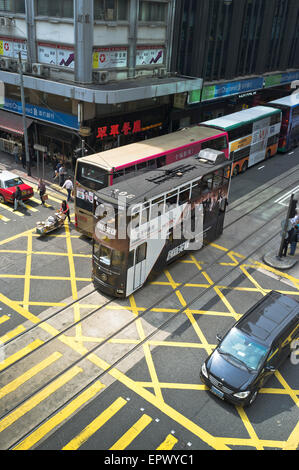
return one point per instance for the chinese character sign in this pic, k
(117, 129)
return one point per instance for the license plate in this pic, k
(217, 392)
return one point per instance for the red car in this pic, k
(8, 185)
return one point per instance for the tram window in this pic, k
(141, 253)
(275, 119)
(196, 190)
(296, 111)
(161, 161)
(118, 258)
(131, 259)
(184, 196)
(172, 198)
(218, 178)
(217, 144)
(207, 183)
(152, 164)
(141, 166)
(105, 255)
(130, 169)
(135, 219)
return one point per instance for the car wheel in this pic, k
(2, 200)
(244, 167)
(268, 154)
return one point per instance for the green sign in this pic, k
(194, 96)
(208, 93)
(273, 80)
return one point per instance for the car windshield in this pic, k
(13, 182)
(244, 349)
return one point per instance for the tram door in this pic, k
(137, 272)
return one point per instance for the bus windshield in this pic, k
(92, 177)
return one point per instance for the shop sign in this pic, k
(56, 54)
(117, 129)
(194, 96)
(149, 55)
(281, 79)
(109, 57)
(10, 47)
(179, 100)
(212, 92)
(43, 114)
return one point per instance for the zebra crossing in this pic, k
(7, 213)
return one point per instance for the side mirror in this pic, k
(219, 338)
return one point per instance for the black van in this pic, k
(252, 350)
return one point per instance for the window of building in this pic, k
(12, 6)
(55, 8)
(152, 11)
(111, 10)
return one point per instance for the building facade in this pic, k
(246, 52)
(96, 65)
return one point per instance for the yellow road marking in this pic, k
(5, 219)
(249, 427)
(132, 433)
(27, 271)
(20, 380)
(10, 209)
(12, 334)
(4, 318)
(59, 417)
(293, 440)
(38, 398)
(96, 424)
(169, 443)
(19, 354)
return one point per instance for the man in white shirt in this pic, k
(68, 185)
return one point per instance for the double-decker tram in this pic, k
(100, 170)
(253, 135)
(147, 222)
(289, 133)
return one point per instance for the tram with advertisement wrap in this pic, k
(100, 170)
(253, 135)
(149, 221)
(289, 134)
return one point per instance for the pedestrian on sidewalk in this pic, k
(68, 185)
(65, 209)
(24, 159)
(18, 199)
(293, 239)
(42, 190)
(16, 153)
(62, 173)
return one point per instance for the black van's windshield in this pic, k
(244, 349)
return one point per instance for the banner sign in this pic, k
(44, 114)
(10, 47)
(150, 55)
(56, 54)
(281, 78)
(109, 57)
(212, 92)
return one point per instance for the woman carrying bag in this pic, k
(42, 191)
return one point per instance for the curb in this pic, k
(273, 260)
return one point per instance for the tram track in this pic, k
(143, 315)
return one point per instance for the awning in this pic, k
(13, 123)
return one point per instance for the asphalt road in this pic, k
(151, 398)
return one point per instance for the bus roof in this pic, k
(241, 117)
(291, 100)
(157, 146)
(146, 186)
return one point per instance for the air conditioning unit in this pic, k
(162, 73)
(40, 70)
(101, 77)
(25, 67)
(9, 22)
(9, 64)
(4, 63)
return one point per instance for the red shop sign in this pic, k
(116, 129)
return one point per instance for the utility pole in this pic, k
(24, 116)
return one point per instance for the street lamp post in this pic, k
(24, 116)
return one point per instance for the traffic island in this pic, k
(285, 262)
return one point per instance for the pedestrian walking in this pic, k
(62, 173)
(42, 190)
(293, 239)
(18, 199)
(24, 159)
(64, 209)
(68, 185)
(16, 153)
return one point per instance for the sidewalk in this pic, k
(7, 162)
